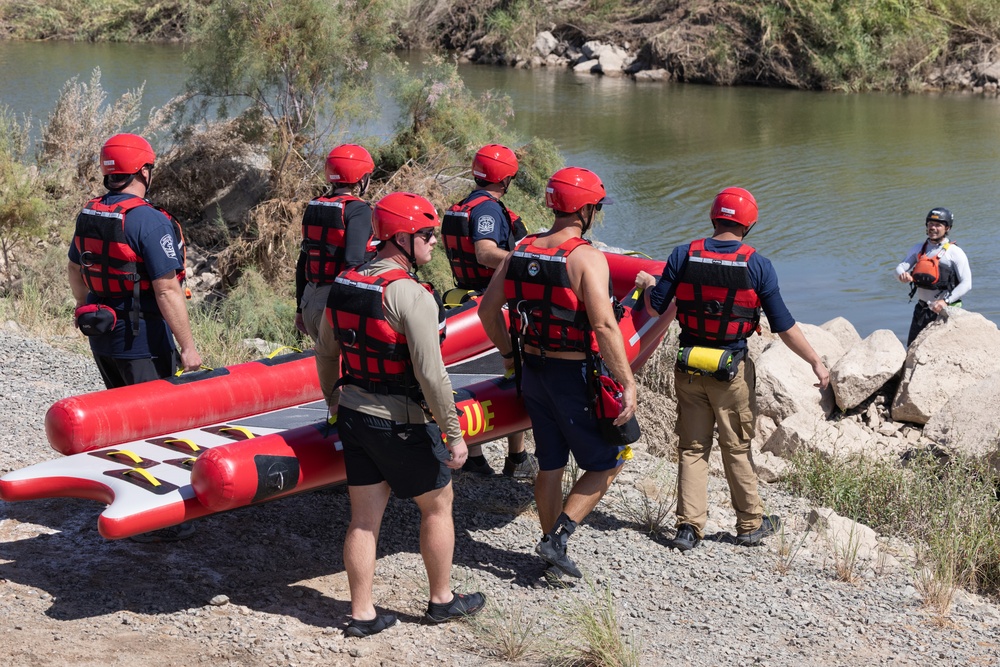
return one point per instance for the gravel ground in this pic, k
(265, 585)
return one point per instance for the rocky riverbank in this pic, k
(265, 585)
(676, 61)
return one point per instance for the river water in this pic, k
(843, 182)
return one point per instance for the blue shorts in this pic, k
(562, 418)
(409, 457)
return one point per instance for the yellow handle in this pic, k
(194, 447)
(149, 478)
(277, 351)
(237, 429)
(124, 452)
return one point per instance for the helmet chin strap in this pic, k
(411, 254)
(586, 223)
(364, 184)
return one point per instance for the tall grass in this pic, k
(596, 634)
(949, 508)
(100, 20)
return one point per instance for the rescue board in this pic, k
(159, 481)
(99, 419)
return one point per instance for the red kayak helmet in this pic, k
(493, 163)
(735, 205)
(125, 154)
(402, 212)
(348, 163)
(572, 188)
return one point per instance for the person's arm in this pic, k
(592, 268)
(173, 307)
(358, 232)
(300, 289)
(328, 364)
(488, 253)
(411, 310)
(77, 285)
(797, 343)
(647, 283)
(491, 315)
(903, 268)
(964, 273)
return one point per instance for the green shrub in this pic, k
(950, 508)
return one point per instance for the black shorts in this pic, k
(410, 457)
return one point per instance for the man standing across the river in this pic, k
(556, 287)
(721, 285)
(938, 271)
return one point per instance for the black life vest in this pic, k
(544, 311)
(457, 236)
(930, 273)
(324, 238)
(111, 268)
(374, 356)
(716, 301)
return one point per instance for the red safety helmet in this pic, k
(494, 163)
(735, 205)
(125, 154)
(402, 212)
(572, 188)
(348, 163)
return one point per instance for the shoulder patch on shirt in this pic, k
(167, 243)
(485, 224)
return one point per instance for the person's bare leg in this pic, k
(367, 507)
(549, 497)
(437, 540)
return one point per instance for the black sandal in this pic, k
(381, 622)
(459, 607)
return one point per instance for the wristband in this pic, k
(509, 355)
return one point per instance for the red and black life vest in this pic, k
(461, 250)
(374, 356)
(716, 301)
(544, 311)
(930, 273)
(111, 268)
(324, 238)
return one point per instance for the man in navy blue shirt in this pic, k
(478, 233)
(717, 288)
(126, 262)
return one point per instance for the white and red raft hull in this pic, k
(178, 470)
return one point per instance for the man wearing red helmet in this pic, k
(125, 262)
(556, 287)
(336, 233)
(718, 287)
(478, 233)
(379, 361)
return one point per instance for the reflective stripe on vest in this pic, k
(373, 354)
(544, 311)
(111, 267)
(461, 250)
(715, 299)
(324, 238)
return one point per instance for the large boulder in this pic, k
(845, 332)
(969, 423)
(545, 43)
(866, 367)
(812, 432)
(785, 382)
(954, 352)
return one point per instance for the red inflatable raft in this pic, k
(91, 421)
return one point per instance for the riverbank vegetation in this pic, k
(857, 45)
(947, 506)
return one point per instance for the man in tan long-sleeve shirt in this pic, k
(381, 336)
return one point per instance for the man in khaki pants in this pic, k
(721, 285)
